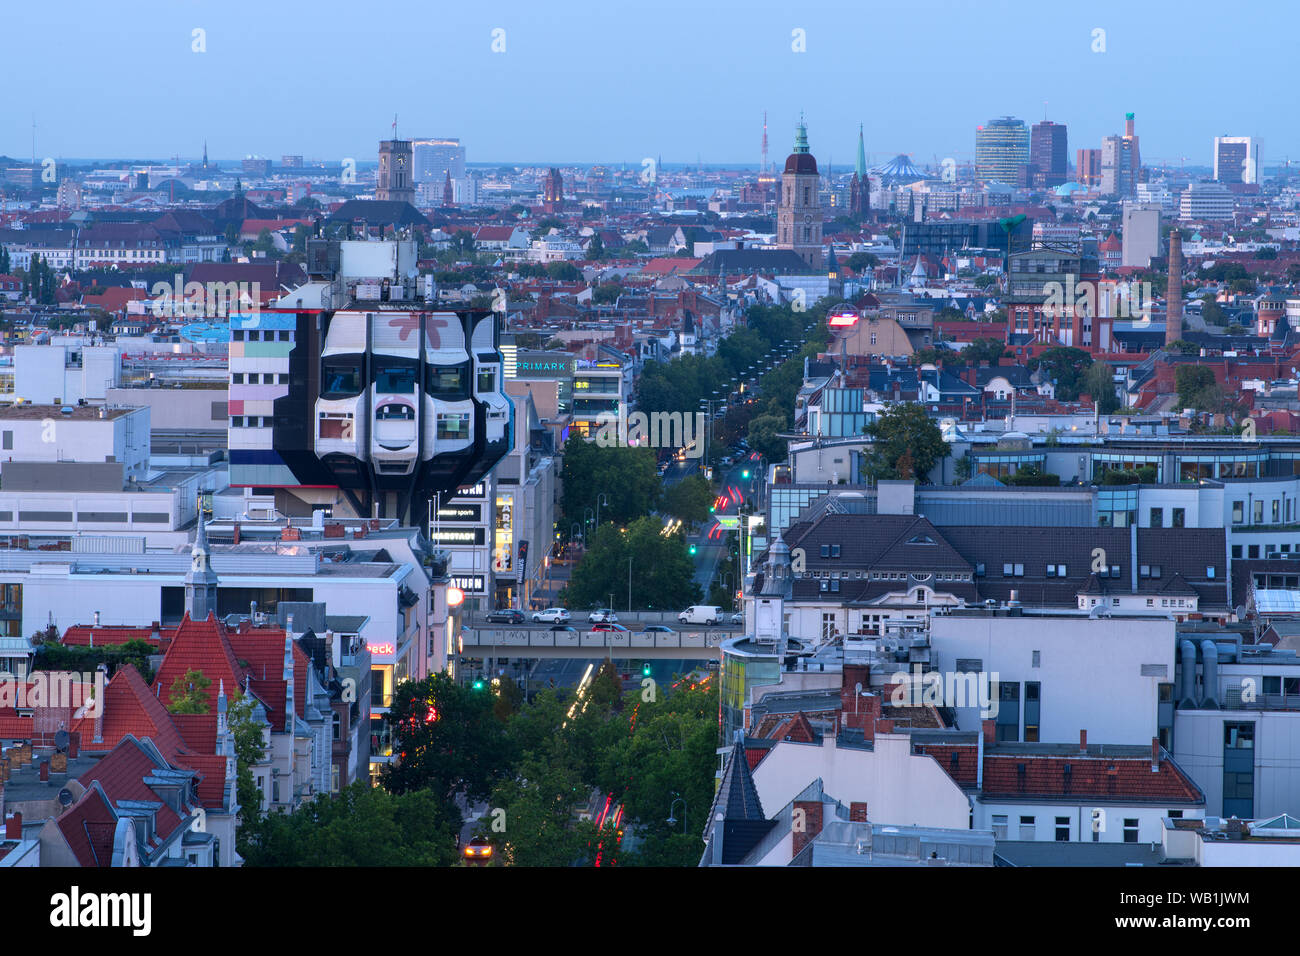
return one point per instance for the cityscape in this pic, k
(412, 502)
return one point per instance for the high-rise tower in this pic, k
(799, 217)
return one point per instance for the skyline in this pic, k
(641, 82)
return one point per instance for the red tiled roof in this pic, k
(130, 707)
(967, 754)
(201, 646)
(88, 827)
(79, 635)
(1090, 776)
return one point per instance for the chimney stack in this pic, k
(1083, 741)
(14, 826)
(1155, 754)
(990, 731)
(1174, 289)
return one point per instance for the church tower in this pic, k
(799, 217)
(860, 185)
(396, 176)
(201, 580)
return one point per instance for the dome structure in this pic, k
(801, 160)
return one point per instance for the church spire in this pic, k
(861, 166)
(801, 136)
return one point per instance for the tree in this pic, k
(662, 573)
(249, 751)
(688, 500)
(984, 350)
(1033, 475)
(563, 271)
(1195, 384)
(596, 248)
(627, 477)
(861, 261)
(1211, 311)
(764, 437)
(359, 826)
(1099, 382)
(606, 293)
(1183, 347)
(984, 281)
(188, 693)
(1065, 365)
(905, 440)
(447, 740)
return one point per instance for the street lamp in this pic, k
(585, 512)
(672, 820)
(599, 498)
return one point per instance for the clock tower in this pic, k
(396, 173)
(799, 216)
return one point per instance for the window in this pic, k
(1062, 829)
(835, 551)
(237, 335)
(1239, 736)
(826, 551)
(395, 379)
(1252, 551)
(1180, 517)
(1272, 685)
(340, 381)
(1157, 517)
(338, 725)
(237, 378)
(1210, 572)
(442, 380)
(487, 379)
(1258, 512)
(453, 427)
(237, 421)
(1130, 830)
(999, 826)
(1037, 659)
(1236, 551)
(1027, 828)
(8, 439)
(282, 378)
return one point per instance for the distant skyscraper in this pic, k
(435, 157)
(395, 182)
(1088, 167)
(799, 216)
(1236, 159)
(1048, 152)
(1121, 162)
(1001, 149)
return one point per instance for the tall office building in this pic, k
(395, 183)
(1048, 152)
(1236, 159)
(1001, 149)
(799, 216)
(435, 157)
(1141, 238)
(1088, 167)
(1121, 162)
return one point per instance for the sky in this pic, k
(617, 81)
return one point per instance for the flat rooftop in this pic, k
(79, 413)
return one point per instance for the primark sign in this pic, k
(544, 365)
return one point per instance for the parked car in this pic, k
(602, 615)
(701, 614)
(738, 617)
(657, 629)
(564, 627)
(505, 616)
(606, 626)
(551, 615)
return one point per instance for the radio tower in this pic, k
(762, 166)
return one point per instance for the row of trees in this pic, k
(535, 763)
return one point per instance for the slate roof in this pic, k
(376, 212)
(763, 261)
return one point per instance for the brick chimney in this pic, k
(884, 725)
(236, 532)
(1083, 741)
(990, 731)
(14, 826)
(45, 771)
(858, 811)
(812, 823)
(1155, 754)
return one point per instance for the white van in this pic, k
(701, 614)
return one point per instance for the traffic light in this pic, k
(479, 685)
(692, 549)
(745, 474)
(645, 669)
(713, 509)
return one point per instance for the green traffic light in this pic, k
(645, 670)
(692, 549)
(745, 473)
(478, 685)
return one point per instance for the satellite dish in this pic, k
(61, 740)
(65, 797)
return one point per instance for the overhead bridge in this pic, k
(545, 643)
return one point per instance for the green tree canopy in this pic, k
(627, 477)
(906, 443)
(188, 693)
(662, 573)
(1066, 366)
(1099, 382)
(688, 500)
